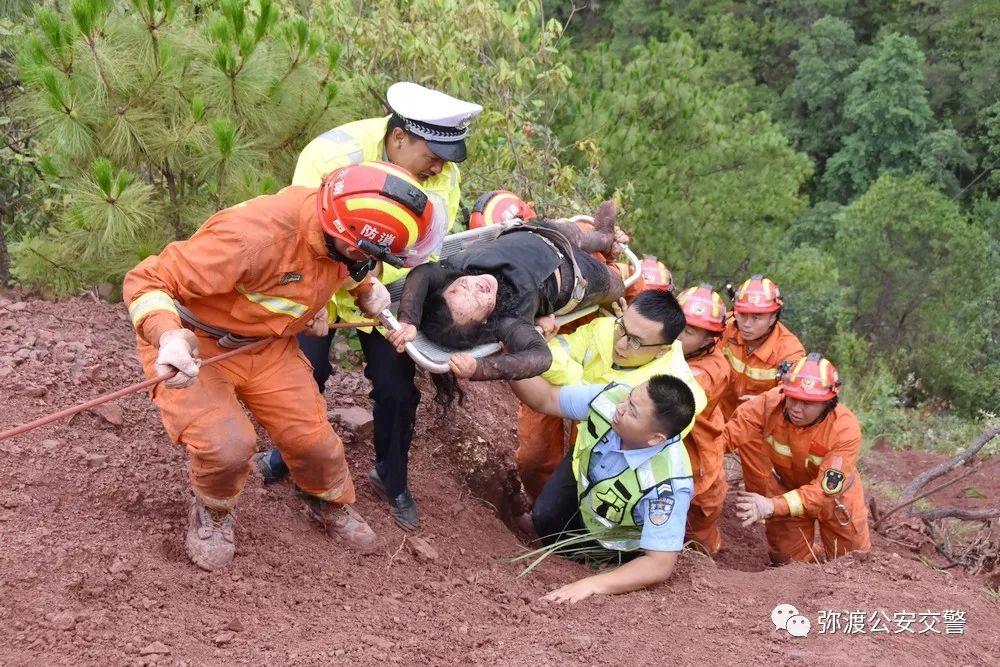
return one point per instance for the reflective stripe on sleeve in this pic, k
(794, 500)
(144, 304)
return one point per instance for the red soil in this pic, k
(92, 514)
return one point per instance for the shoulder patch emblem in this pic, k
(833, 481)
(660, 510)
(290, 278)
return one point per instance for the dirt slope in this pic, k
(92, 569)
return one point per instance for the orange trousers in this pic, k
(703, 516)
(791, 538)
(276, 385)
(541, 446)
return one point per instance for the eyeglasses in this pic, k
(630, 340)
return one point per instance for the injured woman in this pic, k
(504, 289)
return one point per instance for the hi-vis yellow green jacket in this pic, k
(363, 141)
(586, 356)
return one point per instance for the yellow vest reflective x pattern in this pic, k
(610, 506)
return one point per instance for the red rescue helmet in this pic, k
(703, 308)
(498, 206)
(656, 275)
(757, 295)
(375, 206)
(811, 378)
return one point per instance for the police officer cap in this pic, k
(439, 119)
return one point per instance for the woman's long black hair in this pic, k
(439, 326)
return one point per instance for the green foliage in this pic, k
(915, 265)
(703, 172)
(959, 38)
(815, 298)
(814, 99)
(152, 113)
(849, 150)
(505, 59)
(889, 114)
(209, 105)
(989, 139)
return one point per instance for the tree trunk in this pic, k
(4, 255)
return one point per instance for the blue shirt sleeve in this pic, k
(574, 401)
(664, 515)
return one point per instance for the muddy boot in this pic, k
(341, 521)
(210, 543)
(402, 508)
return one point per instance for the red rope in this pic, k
(139, 386)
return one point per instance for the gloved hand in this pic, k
(318, 325)
(753, 507)
(178, 351)
(374, 300)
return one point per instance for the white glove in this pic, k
(178, 351)
(375, 300)
(753, 507)
(318, 325)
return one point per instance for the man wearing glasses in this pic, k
(628, 349)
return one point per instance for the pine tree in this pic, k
(149, 115)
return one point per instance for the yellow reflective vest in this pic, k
(364, 141)
(586, 356)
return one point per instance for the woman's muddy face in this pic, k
(471, 299)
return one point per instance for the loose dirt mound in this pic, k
(92, 513)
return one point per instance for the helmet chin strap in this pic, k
(704, 349)
(357, 268)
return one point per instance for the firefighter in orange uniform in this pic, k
(705, 315)
(755, 342)
(799, 448)
(266, 268)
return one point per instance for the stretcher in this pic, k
(433, 357)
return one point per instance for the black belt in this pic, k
(226, 339)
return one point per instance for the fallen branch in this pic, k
(960, 513)
(910, 492)
(879, 520)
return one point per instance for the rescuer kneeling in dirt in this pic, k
(627, 481)
(799, 449)
(265, 269)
